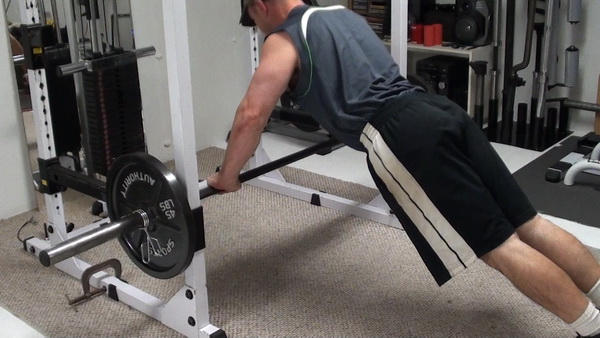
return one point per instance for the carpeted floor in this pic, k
(278, 267)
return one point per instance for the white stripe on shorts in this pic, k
(450, 247)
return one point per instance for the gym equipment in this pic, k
(480, 69)
(511, 78)
(521, 125)
(290, 121)
(571, 66)
(113, 106)
(589, 163)
(447, 75)
(574, 11)
(473, 26)
(151, 216)
(187, 310)
(539, 34)
(557, 171)
(493, 100)
(587, 149)
(597, 117)
(88, 293)
(43, 49)
(577, 203)
(108, 62)
(580, 167)
(544, 78)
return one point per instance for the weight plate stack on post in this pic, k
(114, 111)
(165, 248)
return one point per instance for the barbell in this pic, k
(150, 214)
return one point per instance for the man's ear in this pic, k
(261, 5)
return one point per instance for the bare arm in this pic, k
(278, 61)
(16, 47)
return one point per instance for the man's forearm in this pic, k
(243, 141)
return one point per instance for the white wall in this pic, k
(153, 75)
(16, 194)
(220, 57)
(12, 12)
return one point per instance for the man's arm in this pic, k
(279, 59)
(15, 46)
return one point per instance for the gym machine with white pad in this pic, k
(590, 166)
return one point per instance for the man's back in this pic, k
(346, 73)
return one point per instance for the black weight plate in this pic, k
(140, 181)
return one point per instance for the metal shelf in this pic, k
(416, 52)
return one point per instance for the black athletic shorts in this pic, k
(452, 193)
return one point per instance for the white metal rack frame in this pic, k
(187, 311)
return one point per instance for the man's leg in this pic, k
(537, 277)
(563, 249)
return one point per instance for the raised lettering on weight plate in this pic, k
(135, 176)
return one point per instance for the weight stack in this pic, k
(114, 112)
(63, 103)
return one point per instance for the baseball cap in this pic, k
(246, 20)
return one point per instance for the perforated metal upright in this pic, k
(186, 169)
(33, 13)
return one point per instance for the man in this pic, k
(15, 46)
(17, 49)
(451, 192)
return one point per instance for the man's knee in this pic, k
(531, 226)
(497, 257)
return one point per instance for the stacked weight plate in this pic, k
(63, 104)
(114, 113)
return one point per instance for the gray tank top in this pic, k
(346, 73)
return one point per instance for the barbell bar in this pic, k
(276, 164)
(88, 240)
(151, 216)
(111, 61)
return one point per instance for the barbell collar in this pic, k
(93, 238)
(19, 59)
